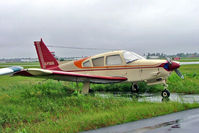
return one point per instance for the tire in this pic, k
(134, 88)
(165, 93)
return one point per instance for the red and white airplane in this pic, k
(110, 67)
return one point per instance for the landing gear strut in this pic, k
(165, 93)
(134, 88)
(86, 88)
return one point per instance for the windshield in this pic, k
(130, 56)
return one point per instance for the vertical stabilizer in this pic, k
(46, 59)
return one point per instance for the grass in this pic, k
(23, 64)
(87, 119)
(189, 59)
(51, 106)
(190, 84)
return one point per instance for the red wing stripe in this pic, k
(88, 76)
(60, 73)
(22, 73)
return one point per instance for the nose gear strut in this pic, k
(134, 88)
(165, 93)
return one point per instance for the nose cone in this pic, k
(174, 65)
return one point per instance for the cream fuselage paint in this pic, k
(150, 69)
(139, 70)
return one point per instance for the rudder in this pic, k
(46, 59)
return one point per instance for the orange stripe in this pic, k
(78, 63)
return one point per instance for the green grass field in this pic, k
(190, 84)
(29, 105)
(36, 105)
(20, 63)
(23, 64)
(189, 59)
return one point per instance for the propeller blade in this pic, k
(169, 60)
(179, 73)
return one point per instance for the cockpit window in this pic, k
(130, 56)
(98, 61)
(87, 64)
(113, 60)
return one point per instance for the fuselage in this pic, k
(110, 67)
(116, 64)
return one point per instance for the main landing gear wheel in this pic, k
(165, 93)
(134, 88)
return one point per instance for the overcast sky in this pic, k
(168, 26)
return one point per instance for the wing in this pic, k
(188, 63)
(10, 70)
(69, 76)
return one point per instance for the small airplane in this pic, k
(109, 67)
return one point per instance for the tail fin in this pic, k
(46, 59)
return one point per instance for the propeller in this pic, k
(169, 60)
(179, 73)
(174, 66)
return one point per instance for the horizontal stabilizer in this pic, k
(10, 70)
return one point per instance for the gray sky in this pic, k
(169, 26)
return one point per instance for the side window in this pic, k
(98, 61)
(113, 60)
(87, 64)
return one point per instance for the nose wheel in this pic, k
(165, 93)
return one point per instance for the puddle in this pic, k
(189, 123)
(172, 124)
(155, 97)
(187, 98)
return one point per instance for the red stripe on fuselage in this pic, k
(107, 69)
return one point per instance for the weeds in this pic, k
(42, 108)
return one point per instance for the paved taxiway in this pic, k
(180, 122)
(188, 63)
